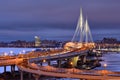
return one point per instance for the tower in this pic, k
(37, 41)
(79, 28)
(82, 31)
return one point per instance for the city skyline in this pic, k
(57, 19)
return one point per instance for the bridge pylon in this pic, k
(82, 36)
(74, 61)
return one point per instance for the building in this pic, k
(108, 43)
(37, 41)
(20, 43)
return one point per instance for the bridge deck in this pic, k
(70, 73)
(60, 72)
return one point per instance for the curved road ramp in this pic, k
(69, 73)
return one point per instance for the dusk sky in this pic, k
(57, 19)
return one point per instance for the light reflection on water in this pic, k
(112, 60)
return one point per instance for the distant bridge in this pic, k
(108, 50)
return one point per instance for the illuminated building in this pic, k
(37, 41)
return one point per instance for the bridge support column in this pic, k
(68, 59)
(74, 61)
(59, 63)
(41, 63)
(21, 75)
(36, 76)
(49, 63)
(4, 68)
(12, 68)
(84, 59)
(29, 75)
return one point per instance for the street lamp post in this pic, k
(105, 65)
(28, 59)
(105, 71)
(71, 63)
(44, 60)
(73, 71)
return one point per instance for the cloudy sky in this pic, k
(57, 19)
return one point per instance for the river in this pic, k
(112, 59)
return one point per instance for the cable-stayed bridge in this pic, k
(80, 44)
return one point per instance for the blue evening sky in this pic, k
(57, 19)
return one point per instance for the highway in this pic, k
(22, 63)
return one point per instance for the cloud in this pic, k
(56, 19)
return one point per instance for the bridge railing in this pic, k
(63, 70)
(76, 71)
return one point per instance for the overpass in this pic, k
(69, 73)
(37, 71)
(60, 55)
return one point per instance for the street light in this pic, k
(33, 49)
(104, 71)
(5, 54)
(105, 65)
(44, 60)
(23, 51)
(71, 63)
(11, 53)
